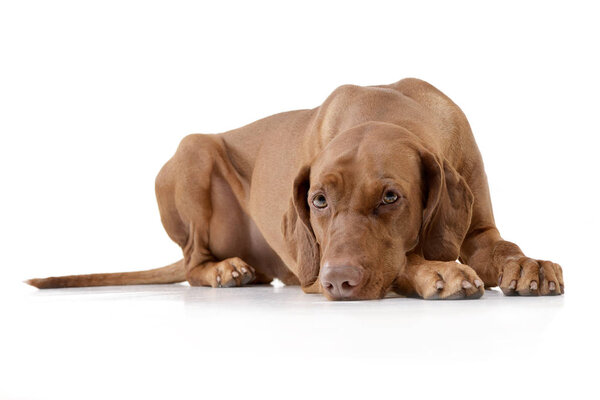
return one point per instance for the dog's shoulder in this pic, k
(420, 91)
(416, 89)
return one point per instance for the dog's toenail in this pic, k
(235, 274)
(439, 285)
(466, 285)
(218, 279)
(244, 270)
(478, 283)
(533, 285)
(552, 286)
(513, 285)
(499, 279)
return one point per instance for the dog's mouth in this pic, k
(367, 286)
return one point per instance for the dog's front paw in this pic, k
(525, 276)
(446, 280)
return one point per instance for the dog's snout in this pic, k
(342, 281)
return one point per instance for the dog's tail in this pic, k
(170, 274)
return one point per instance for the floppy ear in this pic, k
(448, 209)
(298, 233)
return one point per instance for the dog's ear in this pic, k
(298, 233)
(447, 210)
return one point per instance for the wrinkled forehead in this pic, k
(366, 158)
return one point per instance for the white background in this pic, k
(94, 98)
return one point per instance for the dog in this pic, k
(380, 189)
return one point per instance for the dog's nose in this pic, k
(341, 281)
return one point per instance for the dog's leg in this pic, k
(434, 280)
(187, 188)
(502, 263)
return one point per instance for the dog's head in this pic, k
(370, 197)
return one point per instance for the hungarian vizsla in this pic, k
(379, 189)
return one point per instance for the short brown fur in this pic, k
(241, 203)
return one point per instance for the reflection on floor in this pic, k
(170, 334)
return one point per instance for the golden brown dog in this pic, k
(380, 188)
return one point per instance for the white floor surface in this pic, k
(175, 341)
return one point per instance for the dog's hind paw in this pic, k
(227, 273)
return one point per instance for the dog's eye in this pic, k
(319, 201)
(390, 197)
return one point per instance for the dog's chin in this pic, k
(378, 285)
(354, 298)
(371, 293)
